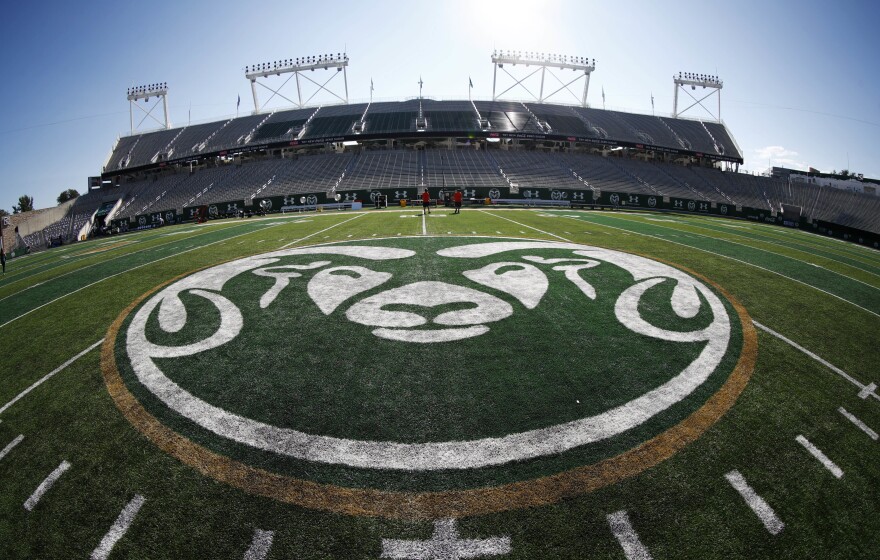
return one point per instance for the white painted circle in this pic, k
(430, 456)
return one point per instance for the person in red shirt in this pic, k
(426, 202)
(456, 198)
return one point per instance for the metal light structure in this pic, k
(545, 64)
(146, 92)
(705, 81)
(297, 68)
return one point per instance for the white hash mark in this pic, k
(44, 486)
(118, 529)
(444, 544)
(629, 541)
(761, 508)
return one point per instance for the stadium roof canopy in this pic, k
(424, 118)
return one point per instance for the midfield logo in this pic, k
(294, 359)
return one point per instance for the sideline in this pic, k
(49, 375)
(712, 237)
(130, 269)
(866, 390)
(295, 241)
(599, 224)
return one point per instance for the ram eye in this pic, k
(332, 286)
(525, 282)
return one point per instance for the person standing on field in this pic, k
(456, 198)
(426, 202)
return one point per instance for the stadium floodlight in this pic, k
(546, 63)
(296, 67)
(145, 92)
(714, 83)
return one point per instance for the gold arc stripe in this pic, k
(432, 505)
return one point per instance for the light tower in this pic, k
(712, 83)
(159, 91)
(545, 64)
(298, 68)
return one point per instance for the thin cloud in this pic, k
(779, 156)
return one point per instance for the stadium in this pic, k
(434, 328)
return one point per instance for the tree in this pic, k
(25, 204)
(69, 194)
(3, 212)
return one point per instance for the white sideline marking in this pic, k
(10, 446)
(93, 264)
(733, 259)
(627, 537)
(118, 529)
(50, 375)
(524, 225)
(817, 453)
(691, 234)
(861, 425)
(761, 508)
(424, 226)
(864, 390)
(260, 546)
(295, 241)
(444, 544)
(44, 486)
(127, 271)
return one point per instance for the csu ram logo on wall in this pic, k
(429, 377)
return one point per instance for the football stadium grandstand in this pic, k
(503, 150)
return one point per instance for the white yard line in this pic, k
(50, 375)
(712, 237)
(260, 545)
(629, 541)
(97, 263)
(861, 425)
(118, 529)
(525, 225)
(424, 225)
(294, 242)
(817, 453)
(757, 504)
(10, 446)
(44, 486)
(803, 248)
(127, 271)
(733, 259)
(864, 390)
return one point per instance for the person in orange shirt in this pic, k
(426, 202)
(456, 198)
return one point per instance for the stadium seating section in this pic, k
(145, 184)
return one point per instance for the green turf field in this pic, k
(337, 415)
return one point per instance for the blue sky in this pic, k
(800, 77)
